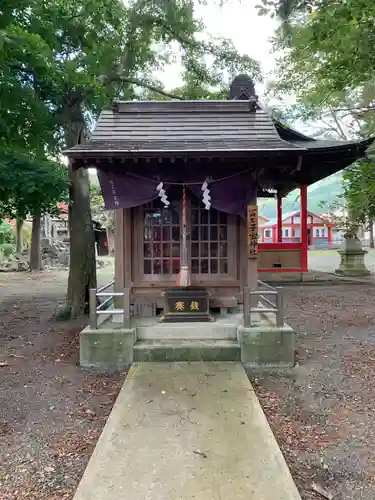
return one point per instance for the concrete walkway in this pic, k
(185, 431)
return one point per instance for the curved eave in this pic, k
(289, 134)
(322, 160)
(318, 145)
(331, 146)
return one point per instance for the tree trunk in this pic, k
(371, 230)
(82, 269)
(19, 244)
(35, 250)
(82, 264)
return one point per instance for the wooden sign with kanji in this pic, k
(252, 230)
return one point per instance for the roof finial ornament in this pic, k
(242, 88)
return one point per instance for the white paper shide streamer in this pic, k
(162, 194)
(206, 195)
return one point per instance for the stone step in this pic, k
(187, 350)
(217, 330)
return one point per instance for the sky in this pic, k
(237, 20)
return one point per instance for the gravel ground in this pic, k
(51, 411)
(329, 260)
(323, 411)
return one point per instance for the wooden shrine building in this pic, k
(218, 156)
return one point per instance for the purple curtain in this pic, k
(132, 189)
(120, 190)
(230, 195)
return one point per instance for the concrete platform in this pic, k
(112, 347)
(187, 431)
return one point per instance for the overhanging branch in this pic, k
(139, 83)
(356, 109)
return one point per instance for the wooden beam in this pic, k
(119, 250)
(304, 231)
(242, 271)
(123, 253)
(279, 219)
(127, 251)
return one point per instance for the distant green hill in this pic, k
(325, 190)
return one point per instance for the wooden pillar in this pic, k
(304, 233)
(123, 249)
(119, 250)
(128, 261)
(279, 219)
(329, 234)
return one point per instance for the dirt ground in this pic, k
(52, 412)
(323, 411)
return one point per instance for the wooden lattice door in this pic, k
(212, 242)
(209, 241)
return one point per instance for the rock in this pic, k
(99, 263)
(55, 253)
(16, 263)
(63, 257)
(23, 266)
(9, 267)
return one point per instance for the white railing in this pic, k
(261, 295)
(251, 300)
(98, 308)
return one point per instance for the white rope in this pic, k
(209, 179)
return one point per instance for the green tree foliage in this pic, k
(359, 191)
(106, 218)
(61, 62)
(328, 62)
(30, 185)
(327, 53)
(5, 232)
(96, 201)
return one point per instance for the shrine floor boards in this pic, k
(185, 431)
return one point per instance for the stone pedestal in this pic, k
(352, 259)
(107, 349)
(262, 345)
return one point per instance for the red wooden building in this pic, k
(319, 229)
